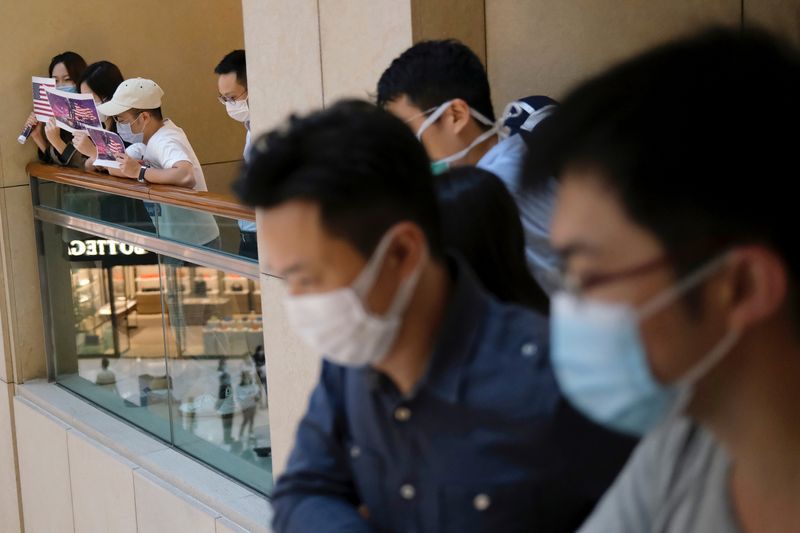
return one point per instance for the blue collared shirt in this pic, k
(505, 160)
(485, 442)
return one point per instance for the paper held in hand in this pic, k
(108, 143)
(41, 105)
(73, 112)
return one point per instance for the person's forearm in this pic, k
(58, 145)
(40, 143)
(179, 176)
(116, 172)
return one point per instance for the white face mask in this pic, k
(441, 165)
(336, 324)
(238, 111)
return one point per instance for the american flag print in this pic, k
(41, 106)
(84, 112)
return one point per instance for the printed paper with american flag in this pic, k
(41, 106)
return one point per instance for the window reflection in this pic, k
(173, 347)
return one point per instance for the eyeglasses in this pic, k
(227, 99)
(118, 121)
(578, 286)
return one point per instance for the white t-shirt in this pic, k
(168, 146)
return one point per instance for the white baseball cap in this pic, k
(135, 93)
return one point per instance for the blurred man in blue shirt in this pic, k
(441, 90)
(436, 408)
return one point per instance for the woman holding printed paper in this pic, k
(55, 145)
(100, 80)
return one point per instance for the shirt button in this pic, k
(529, 349)
(355, 452)
(408, 492)
(481, 502)
(402, 414)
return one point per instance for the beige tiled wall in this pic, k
(359, 40)
(160, 507)
(21, 310)
(71, 482)
(464, 20)
(779, 16)
(102, 487)
(283, 59)
(44, 470)
(547, 46)
(9, 502)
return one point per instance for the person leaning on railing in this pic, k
(160, 153)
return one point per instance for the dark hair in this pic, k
(73, 62)
(104, 363)
(432, 72)
(692, 138)
(480, 220)
(103, 78)
(155, 112)
(363, 166)
(234, 62)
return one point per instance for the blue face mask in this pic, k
(124, 131)
(601, 363)
(68, 89)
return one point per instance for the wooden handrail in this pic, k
(216, 204)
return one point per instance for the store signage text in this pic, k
(95, 247)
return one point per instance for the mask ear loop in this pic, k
(717, 353)
(369, 275)
(437, 113)
(669, 296)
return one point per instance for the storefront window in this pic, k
(170, 346)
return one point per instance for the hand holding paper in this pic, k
(108, 144)
(129, 166)
(83, 143)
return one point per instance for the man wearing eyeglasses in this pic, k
(232, 86)
(677, 226)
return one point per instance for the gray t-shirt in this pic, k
(677, 481)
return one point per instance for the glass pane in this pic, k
(197, 228)
(107, 326)
(116, 210)
(216, 362)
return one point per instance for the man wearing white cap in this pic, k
(160, 153)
